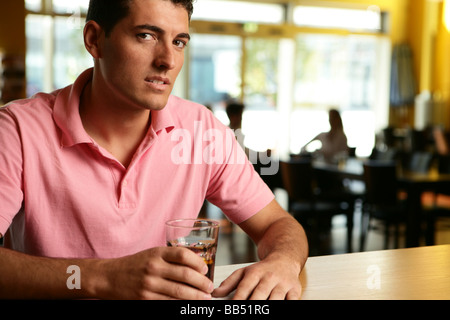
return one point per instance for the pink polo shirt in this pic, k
(63, 195)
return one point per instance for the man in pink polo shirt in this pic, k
(90, 173)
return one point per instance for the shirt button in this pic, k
(125, 184)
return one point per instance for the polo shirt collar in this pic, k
(66, 113)
(162, 119)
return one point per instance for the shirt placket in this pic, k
(127, 193)
(123, 180)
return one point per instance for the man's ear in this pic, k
(93, 39)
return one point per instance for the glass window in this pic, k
(38, 33)
(70, 6)
(340, 18)
(55, 53)
(237, 11)
(261, 73)
(33, 5)
(215, 70)
(339, 72)
(215, 73)
(260, 119)
(71, 56)
(336, 71)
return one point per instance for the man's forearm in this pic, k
(155, 273)
(285, 238)
(28, 277)
(277, 235)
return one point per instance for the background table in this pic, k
(413, 183)
(403, 274)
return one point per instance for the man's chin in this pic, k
(155, 105)
(158, 107)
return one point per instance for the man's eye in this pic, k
(145, 36)
(180, 44)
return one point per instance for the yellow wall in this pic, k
(441, 68)
(430, 40)
(12, 50)
(419, 41)
(12, 27)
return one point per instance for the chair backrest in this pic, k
(390, 154)
(420, 161)
(328, 182)
(380, 178)
(418, 140)
(297, 177)
(265, 166)
(444, 164)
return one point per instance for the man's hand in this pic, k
(158, 273)
(282, 249)
(263, 280)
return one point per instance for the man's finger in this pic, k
(229, 284)
(294, 294)
(263, 289)
(178, 290)
(246, 287)
(186, 257)
(278, 294)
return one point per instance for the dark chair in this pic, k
(443, 163)
(331, 187)
(390, 154)
(418, 161)
(306, 204)
(352, 152)
(268, 168)
(440, 207)
(418, 140)
(389, 138)
(382, 202)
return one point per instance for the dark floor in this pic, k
(235, 247)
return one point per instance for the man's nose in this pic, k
(165, 56)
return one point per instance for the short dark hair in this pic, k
(234, 108)
(107, 13)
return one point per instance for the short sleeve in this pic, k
(11, 195)
(236, 187)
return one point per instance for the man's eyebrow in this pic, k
(184, 35)
(161, 31)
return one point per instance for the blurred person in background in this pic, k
(333, 142)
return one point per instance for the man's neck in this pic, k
(117, 129)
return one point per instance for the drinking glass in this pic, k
(198, 235)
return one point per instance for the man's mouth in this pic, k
(158, 84)
(156, 81)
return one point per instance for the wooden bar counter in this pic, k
(420, 273)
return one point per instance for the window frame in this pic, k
(285, 32)
(77, 18)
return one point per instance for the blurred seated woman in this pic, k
(333, 142)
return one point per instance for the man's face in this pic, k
(144, 53)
